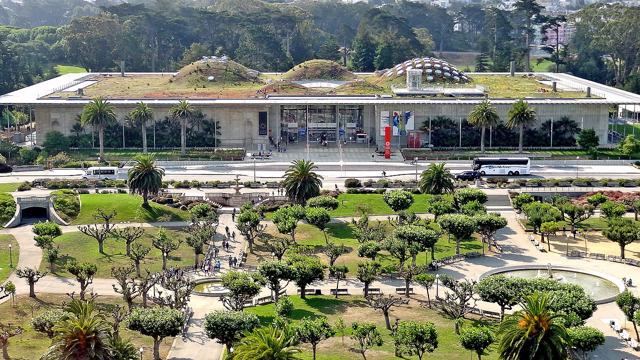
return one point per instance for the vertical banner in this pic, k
(387, 142)
(262, 123)
(396, 123)
(409, 120)
(384, 121)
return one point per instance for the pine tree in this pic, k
(363, 53)
(384, 56)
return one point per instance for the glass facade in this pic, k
(319, 123)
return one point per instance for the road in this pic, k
(334, 173)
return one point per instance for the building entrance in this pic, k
(324, 125)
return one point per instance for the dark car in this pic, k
(468, 175)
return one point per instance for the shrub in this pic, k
(284, 306)
(55, 142)
(28, 156)
(59, 159)
(352, 183)
(47, 228)
(398, 199)
(7, 208)
(24, 186)
(323, 201)
(66, 204)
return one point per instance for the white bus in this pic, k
(502, 166)
(98, 173)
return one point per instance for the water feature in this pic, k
(209, 287)
(602, 288)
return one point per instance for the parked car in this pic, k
(468, 175)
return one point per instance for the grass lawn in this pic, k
(5, 269)
(343, 233)
(354, 309)
(128, 208)
(69, 69)
(593, 223)
(349, 204)
(76, 245)
(9, 187)
(32, 344)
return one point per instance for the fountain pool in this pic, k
(209, 287)
(601, 287)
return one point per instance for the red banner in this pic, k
(387, 142)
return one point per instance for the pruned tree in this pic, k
(407, 272)
(415, 338)
(368, 271)
(145, 284)
(199, 235)
(334, 251)
(305, 270)
(52, 255)
(248, 223)
(384, 304)
(501, 290)
(278, 246)
(101, 231)
(487, 226)
(7, 331)
(274, 272)
(338, 272)
(138, 253)
(229, 326)
(426, 281)
(129, 235)
(166, 244)
(313, 331)
(366, 336)
(242, 288)
(46, 322)
(455, 304)
(398, 248)
(32, 276)
(126, 284)
(158, 323)
(83, 273)
(177, 289)
(575, 214)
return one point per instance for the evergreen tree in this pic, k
(363, 53)
(384, 56)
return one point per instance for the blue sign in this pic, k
(302, 131)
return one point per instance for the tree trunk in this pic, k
(144, 299)
(366, 289)
(101, 247)
(276, 292)
(32, 289)
(549, 242)
(433, 253)
(501, 313)
(635, 327)
(5, 352)
(156, 349)
(482, 139)
(457, 247)
(145, 198)
(195, 265)
(101, 141)
(337, 286)
(164, 261)
(622, 256)
(428, 298)
(183, 136)
(144, 137)
(407, 283)
(521, 138)
(137, 264)
(386, 319)
(313, 348)
(128, 248)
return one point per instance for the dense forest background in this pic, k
(164, 35)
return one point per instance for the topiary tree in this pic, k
(629, 304)
(384, 304)
(334, 251)
(426, 281)
(597, 199)
(229, 326)
(466, 195)
(369, 249)
(547, 229)
(487, 226)
(501, 290)
(611, 209)
(461, 227)
(318, 217)
(585, 339)
(313, 331)
(323, 201)
(622, 231)
(476, 339)
(83, 273)
(305, 270)
(242, 287)
(248, 223)
(398, 199)
(158, 323)
(32, 276)
(166, 244)
(415, 338)
(368, 271)
(47, 228)
(520, 200)
(203, 211)
(538, 213)
(575, 214)
(366, 336)
(274, 272)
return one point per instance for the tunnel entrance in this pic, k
(34, 214)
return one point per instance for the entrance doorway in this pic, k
(322, 124)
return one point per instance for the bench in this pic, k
(340, 291)
(632, 262)
(597, 256)
(574, 253)
(311, 291)
(614, 258)
(491, 314)
(401, 290)
(374, 291)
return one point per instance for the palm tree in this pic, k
(483, 115)
(436, 180)
(142, 114)
(182, 111)
(82, 334)
(520, 115)
(266, 343)
(145, 177)
(533, 332)
(301, 182)
(98, 113)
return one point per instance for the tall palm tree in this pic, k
(98, 113)
(145, 177)
(534, 332)
(483, 115)
(182, 111)
(436, 179)
(82, 334)
(142, 114)
(266, 343)
(520, 115)
(301, 181)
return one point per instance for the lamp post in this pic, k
(415, 162)
(10, 256)
(141, 350)
(437, 280)
(577, 168)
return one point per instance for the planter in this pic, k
(613, 184)
(223, 186)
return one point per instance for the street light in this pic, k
(141, 350)
(415, 161)
(577, 168)
(10, 256)
(437, 278)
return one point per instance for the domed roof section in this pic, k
(216, 69)
(433, 70)
(318, 69)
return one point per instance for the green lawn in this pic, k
(69, 69)
(593, 223)
(349, 204)
(82, 248)
(9, 187)
(342, 233)
(354, 308)
(5, 262)
(32, 344)
(128, 208)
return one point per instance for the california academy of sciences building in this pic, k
(321, 102)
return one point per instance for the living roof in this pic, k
(216, 79)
